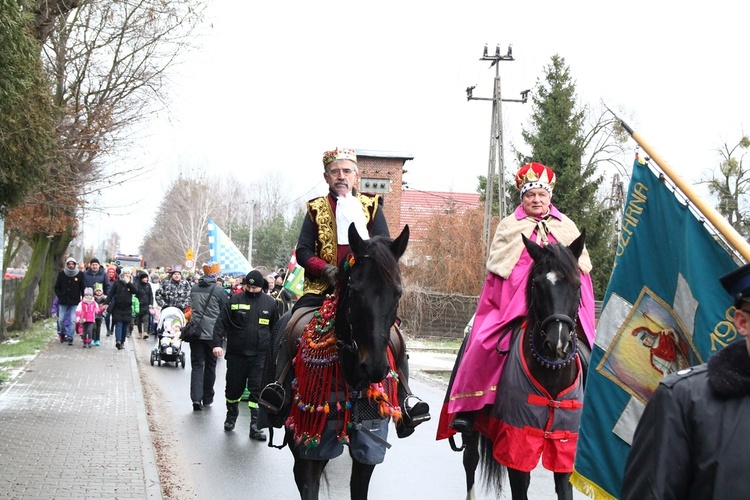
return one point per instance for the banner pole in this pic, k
(715, 218)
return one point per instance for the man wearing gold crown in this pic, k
(502, 302)
(324, 238)
(324, 243)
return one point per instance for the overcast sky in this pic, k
(274, 84)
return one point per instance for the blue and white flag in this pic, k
(223, 250)
(664, 310)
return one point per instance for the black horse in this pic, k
(361, 363)
(549, 352)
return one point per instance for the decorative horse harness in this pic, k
(319, 392)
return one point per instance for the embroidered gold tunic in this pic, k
(322, 214)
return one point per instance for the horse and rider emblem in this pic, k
(650, 345)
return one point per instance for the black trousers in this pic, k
(203, 371)
(244, 370)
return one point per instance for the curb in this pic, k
(150, 470)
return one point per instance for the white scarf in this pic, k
(348, 210)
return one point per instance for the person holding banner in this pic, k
(502, 303)
(691, 441)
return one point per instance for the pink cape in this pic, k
(500, 304)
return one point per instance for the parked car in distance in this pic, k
(14, 272)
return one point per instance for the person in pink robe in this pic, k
(502, 302)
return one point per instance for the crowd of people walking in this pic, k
(234, 318)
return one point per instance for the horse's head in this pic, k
(370, 288)
(553, 296)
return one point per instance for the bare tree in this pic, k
(450, 258)
(183, 217)
(732, 185)
(108, 61)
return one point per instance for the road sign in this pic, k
(189, 263)
(189, 256)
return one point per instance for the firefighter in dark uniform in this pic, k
(246, 324)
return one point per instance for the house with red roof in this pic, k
(418, 208)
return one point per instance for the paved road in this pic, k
(218, 464)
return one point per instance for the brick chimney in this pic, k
(381, 172)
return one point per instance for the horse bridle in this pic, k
(557, 318)
(351, 346)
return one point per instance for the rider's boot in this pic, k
(255, 433)
(233, 410)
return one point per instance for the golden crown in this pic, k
(214, 268)
(339, 154)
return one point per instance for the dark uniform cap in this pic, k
(737, 284)
(255, 278)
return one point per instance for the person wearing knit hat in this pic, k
(207, 300)
(145, 295)
(502, 303)
(99, 298)
(69, 288)
(691, 438)
(111, 280)
(86, 316)
(155, 283)
(245, 323)
(255, 279)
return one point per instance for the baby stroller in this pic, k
(168, 346)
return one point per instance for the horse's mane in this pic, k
(556, 258)
(378, 249)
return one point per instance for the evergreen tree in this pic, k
(558, 140)
(27, 125)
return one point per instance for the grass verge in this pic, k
(433, 343)
(22, 346)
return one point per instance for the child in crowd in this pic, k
(135, 309)
(86, 315)
(99, 298)
(53, 312)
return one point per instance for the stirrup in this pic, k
(272, 398)
(414, 415)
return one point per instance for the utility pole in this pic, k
(250, 237)
(496, 160)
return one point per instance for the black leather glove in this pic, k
(329, 273)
